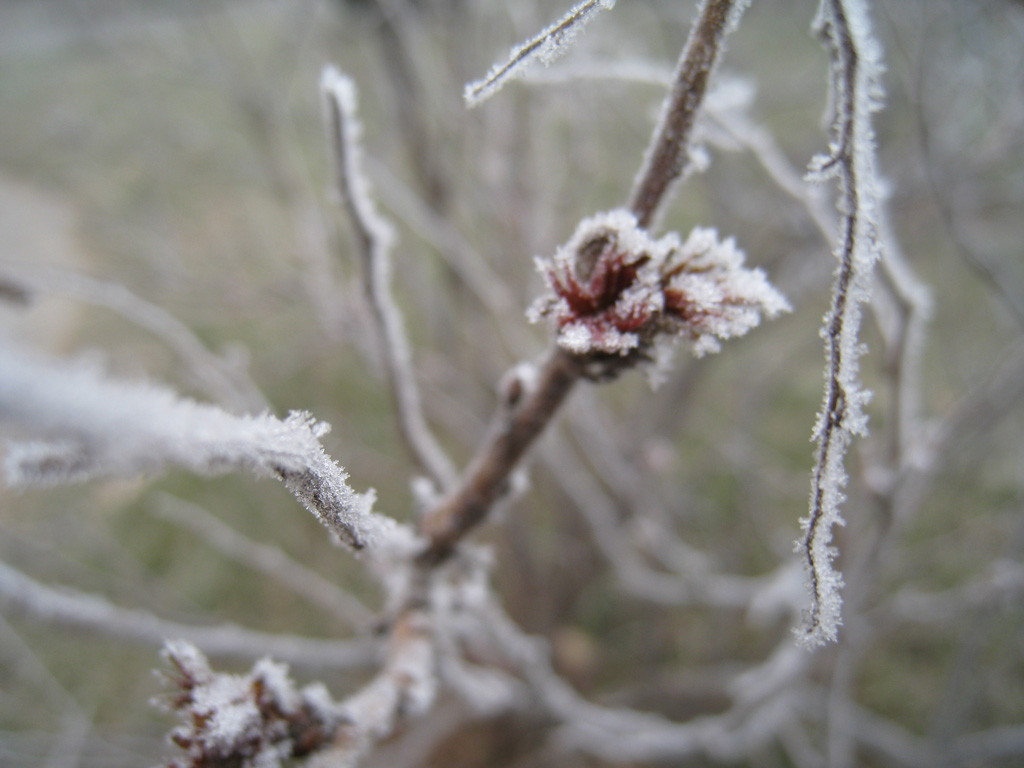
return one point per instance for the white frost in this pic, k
(77, 424)
(551, 43)
(613, 289)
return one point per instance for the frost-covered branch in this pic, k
(668, 154)
(83, 611)
(80, 425)
(855, 88)
(374, 240)
(256, 719)
(551, 43)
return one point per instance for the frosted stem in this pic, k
(551, 43)
(79, 425)
(374, 237)
(844, 28)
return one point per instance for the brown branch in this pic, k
(526, 411)
(668, 152)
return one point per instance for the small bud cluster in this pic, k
(258, 720)
(613, 289)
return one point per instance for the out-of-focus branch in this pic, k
(76, 725)
(983, 406)
(730, 125)
(271, 561)
(503, 309)
(218, 378)
(694, 586)
(1002, 584)
(668, 154)
(905, 345)
(977, 410)
(899, 746)
(766, 700)
(405, 687)
(374, 238)
(79, 610)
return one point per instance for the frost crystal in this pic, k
(613, 289)
(545, 47)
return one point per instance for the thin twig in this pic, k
(79, 610)
(374, 237)
(854, 89)
(545, 47)
(526, 411)
(271, 561)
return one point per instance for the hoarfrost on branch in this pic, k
(78, 424)
(551, 43)
(855, 93)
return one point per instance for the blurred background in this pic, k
(164, 186)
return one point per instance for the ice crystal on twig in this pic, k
(545, 47)
(612, 289)
(855, 93)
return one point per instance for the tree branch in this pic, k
(271, 561)
(374, 238)
(84, 425)
(843, 25)
(526, 410)
(79, 610)
(668, 154)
